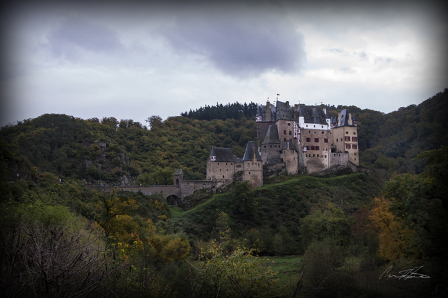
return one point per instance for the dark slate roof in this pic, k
(291, 145)
(222, 154)
(272, 135)
(284, 111)
(312, 114)
(250, 149)
(262, 112)
(344, 118)
(178, 172)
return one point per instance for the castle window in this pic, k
(289, 132)
(347, 139)
(322, 127)
(312, 147)
(307, 126)
(322, 132)
(354, 139)
(284, 132)
(223, 176)
(354, 133)
(346, 132)
(317, 147)
(313, 155)
(284, 140)
(347, 146)
(355, 146)
(264, 146)
(325, 156)
(314, 125)
(316, 140)
(325, 140)
(249, 173)
(308, 139)
(337, 140)
(289, 124)
(318, 155)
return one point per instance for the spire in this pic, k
(251, 152)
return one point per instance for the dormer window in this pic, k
(213, 158)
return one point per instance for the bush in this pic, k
(321, 259)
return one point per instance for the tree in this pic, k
(436, 173)
(329, 222)
(321, 259)
(154, 121)
(394, 237)
(244, 198)
(46, 251)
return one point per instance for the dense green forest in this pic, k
(350, 236)
(229, 111)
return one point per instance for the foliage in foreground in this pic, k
(46, 251)
(234, 272)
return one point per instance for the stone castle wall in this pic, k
(290, 159)
(317, 159)
(253, 172)
(285, 131)
(338, 159)
(221, 170)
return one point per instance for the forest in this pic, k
(378, 233)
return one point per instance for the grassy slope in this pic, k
(281, 204)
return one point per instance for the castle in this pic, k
(291, 139)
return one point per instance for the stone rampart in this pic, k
(186, 188)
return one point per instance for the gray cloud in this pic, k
(239, 44)
(347, 70)
(384, 60)
(334, 50)
(74, 33)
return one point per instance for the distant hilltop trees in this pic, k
(229, 111)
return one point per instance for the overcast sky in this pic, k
(132, 61)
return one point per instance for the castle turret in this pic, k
(178, 176)
(271, 146)
(252, 165)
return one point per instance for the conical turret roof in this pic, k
(272, 135)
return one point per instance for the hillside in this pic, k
(127, 152)
(349, 228)
(274, 208)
